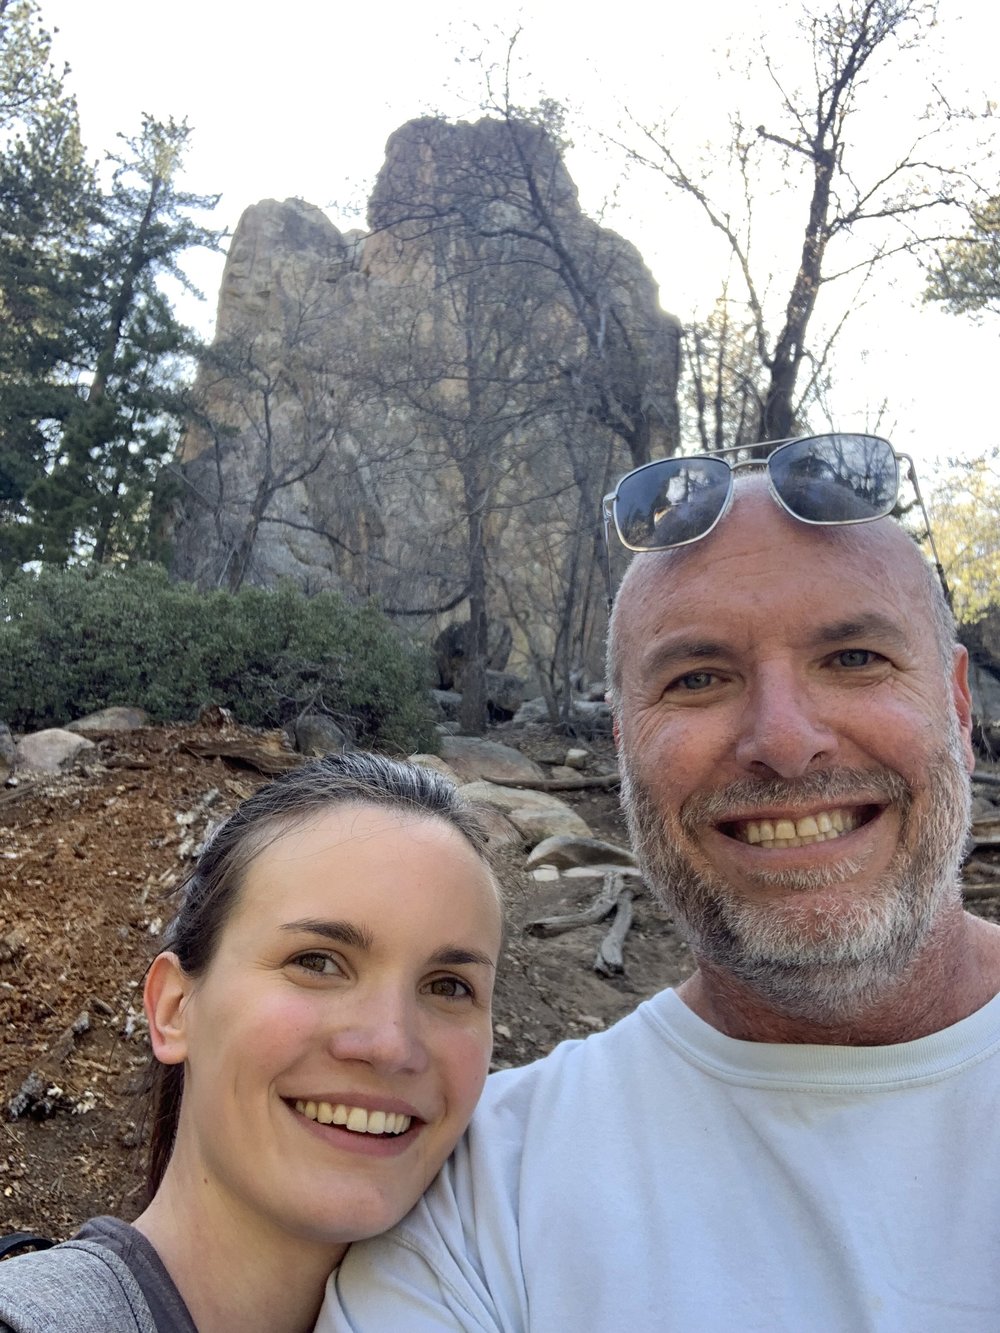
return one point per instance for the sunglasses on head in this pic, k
(820, 479)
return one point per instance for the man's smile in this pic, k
(801, 831)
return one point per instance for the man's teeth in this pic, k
(355, 1118)
(824, 827)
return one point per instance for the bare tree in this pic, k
(852, 217)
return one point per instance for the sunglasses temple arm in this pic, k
(606, 517)
(930, 533)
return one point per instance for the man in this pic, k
(802, 1136)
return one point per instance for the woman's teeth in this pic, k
(824, 827)
(355, 1118)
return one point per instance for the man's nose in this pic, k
(379, 1026)
(783, 729)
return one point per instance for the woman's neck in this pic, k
(234, 1275)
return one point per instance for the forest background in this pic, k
(831, 191)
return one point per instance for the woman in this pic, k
(320, 1022)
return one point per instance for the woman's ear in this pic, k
(163, 996)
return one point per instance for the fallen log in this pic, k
(603, 905)
(563, 784)
(610, 959)
(984, 888)
(18, 793)
(271, 763)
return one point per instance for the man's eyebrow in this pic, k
(340, 932)
(666, 654)
(860, 627)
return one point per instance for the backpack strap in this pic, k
(18, 1242)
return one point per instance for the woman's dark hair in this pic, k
(210, 893)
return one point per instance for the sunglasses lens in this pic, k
(836, 478)
(670, 502)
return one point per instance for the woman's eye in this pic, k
(450, 988)
(323, 964)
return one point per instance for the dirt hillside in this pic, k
(87, 865)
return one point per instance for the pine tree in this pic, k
(48, 199)
(96, 498)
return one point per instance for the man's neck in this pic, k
(956, 973)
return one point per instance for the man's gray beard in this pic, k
(852, 952)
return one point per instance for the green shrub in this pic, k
(71, 643)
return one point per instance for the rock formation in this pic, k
(436, 404)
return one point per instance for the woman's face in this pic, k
(337, 1044)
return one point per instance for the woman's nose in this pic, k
(381, 1029)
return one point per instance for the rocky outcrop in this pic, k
(466, 375)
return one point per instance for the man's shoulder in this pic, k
(517, 1100)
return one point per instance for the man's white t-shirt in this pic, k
(662, 1176)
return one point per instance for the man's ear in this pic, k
(164, 994)
(962, 699)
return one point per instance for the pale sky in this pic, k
(298, 99)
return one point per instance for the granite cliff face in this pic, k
(436, 404)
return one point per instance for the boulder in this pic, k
(504, 695)
(437, 763)
(510, 798)
(535, 814)
(8, 752)
(317, 734)
(532, 710)
(585, 851)
(473, 758)
(446, 703)
(50, 751)
(499, 830)
(537, 825)
(121, 717)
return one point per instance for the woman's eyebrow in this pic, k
(355, 937)
(340, 932)
(453, 955)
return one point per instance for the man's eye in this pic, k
(450, 988)
(694, 680)
(856, 657)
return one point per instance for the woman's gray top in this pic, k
(108, 1277)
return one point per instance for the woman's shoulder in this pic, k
(81, 1284)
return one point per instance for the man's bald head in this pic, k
(886, 545)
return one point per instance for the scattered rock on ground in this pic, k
(562, 851)
(473, 758)
(122, 717)
(317, 734)
(536, 824)
(8, 752)
(50, 751)
(447, 703)
(437, 763)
